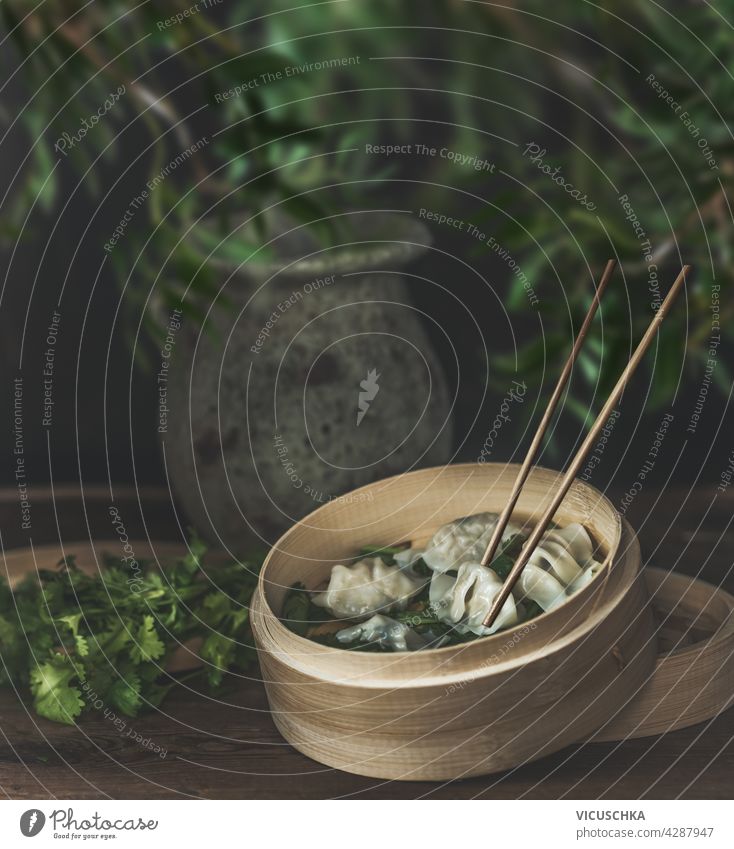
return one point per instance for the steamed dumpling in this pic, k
(560, 565)
(367, 587)
(576, 539)
(464, 601)
(463, 541)
(408, 557)
(384, 631)
(591, 571)
(553, 555)
(540, 586)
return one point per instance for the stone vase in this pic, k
(319, 378)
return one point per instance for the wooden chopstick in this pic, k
(522, 475)
(580, 456)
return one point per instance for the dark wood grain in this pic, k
(229, 748)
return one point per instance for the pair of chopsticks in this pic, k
(586, 446)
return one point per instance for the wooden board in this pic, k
(230, 748)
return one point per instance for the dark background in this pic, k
(99, 434)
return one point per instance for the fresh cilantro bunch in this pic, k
(79, 641)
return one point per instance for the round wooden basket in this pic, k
(693, 679)
(588, 669)
(606, 666)
(463, 710)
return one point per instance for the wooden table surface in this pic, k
(229, 748)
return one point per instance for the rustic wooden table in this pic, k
(229, 748)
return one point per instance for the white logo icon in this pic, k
(31, 822)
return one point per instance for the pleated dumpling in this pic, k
(408, 557)
(538, 585)
(576, 539)
(561, 564)
(464, 601)
(366, 587)
(463, 541)
(385, 632)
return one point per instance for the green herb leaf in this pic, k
(148, 646)
(54, 697)
(296, 609)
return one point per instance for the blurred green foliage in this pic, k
(271, 149)
(632, 102)
(573, 78)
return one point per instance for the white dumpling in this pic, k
(562, 553)
(408, 557)
(463, 541)
(384, 631)
(576, 539)
(366, 587)
(464, 601)
(553, 556)
(560, 564)
(540, 586)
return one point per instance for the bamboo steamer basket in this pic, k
(692, 679)
(464, 710)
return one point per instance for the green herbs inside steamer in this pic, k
(408, 599)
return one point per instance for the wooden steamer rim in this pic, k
(689, 685)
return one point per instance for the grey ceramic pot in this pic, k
(320, 379)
